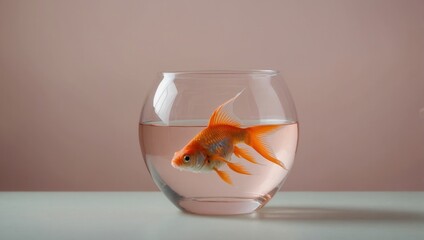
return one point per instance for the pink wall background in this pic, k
(74, 74)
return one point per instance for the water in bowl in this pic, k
(205, 192)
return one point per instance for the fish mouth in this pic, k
(174, 164)
(181, 169)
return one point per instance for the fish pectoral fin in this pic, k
(233, 166)
(243, 153)
(224, 176)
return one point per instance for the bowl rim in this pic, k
(227, 72)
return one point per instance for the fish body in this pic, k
(211, 143)
(213, 147)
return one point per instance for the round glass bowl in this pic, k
(232, 164)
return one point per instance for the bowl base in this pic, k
(220, 206)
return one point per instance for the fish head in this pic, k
(188, 159)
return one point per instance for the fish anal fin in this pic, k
(236, 167)
(223, 115)
(219, 158)
(244, 153)
(224, 176)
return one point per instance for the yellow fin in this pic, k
(224, 176)
(223, 115)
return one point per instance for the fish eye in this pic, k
(186, 158)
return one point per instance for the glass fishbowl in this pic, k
(219, 142)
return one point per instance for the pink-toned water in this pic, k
(205, 192)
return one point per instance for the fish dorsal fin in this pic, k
(224, 115)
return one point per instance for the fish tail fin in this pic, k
(224, 176)
(255, 140)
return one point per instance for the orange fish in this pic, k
(213, 146)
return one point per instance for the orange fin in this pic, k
(244, 153)
(219, 158)
(254, 139)
(238, 168)
(223, 115)
(233, 166)
(224, 176)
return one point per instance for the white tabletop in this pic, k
(149, 215)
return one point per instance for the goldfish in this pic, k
(213, 147)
